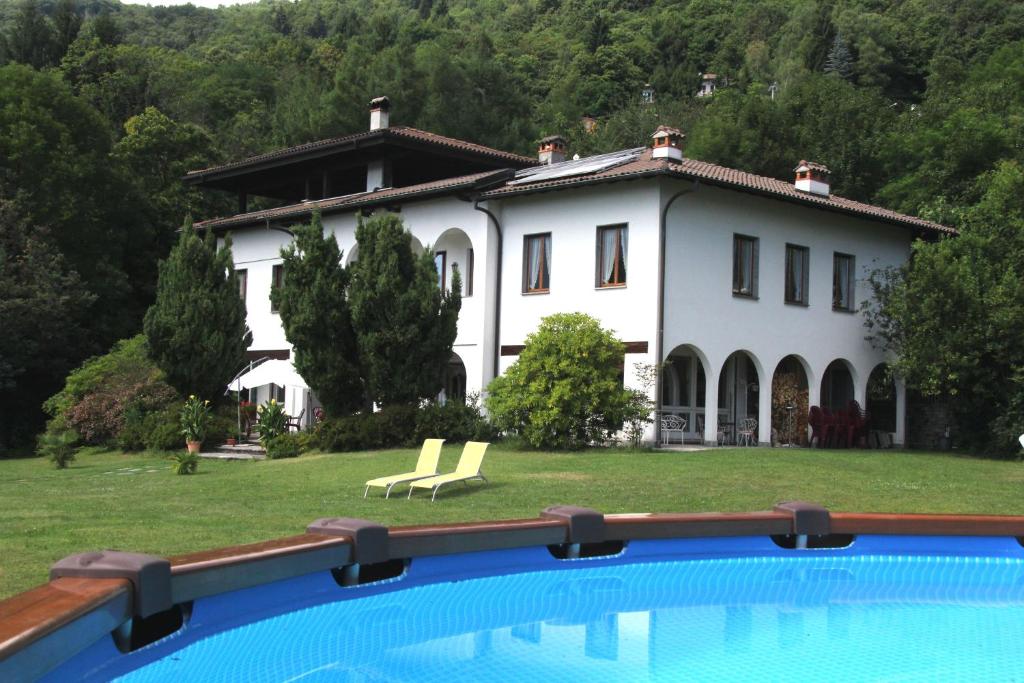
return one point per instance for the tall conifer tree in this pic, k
(196, 327)
(314, 310)
(404, 324)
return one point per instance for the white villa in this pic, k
(734, 278)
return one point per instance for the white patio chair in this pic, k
(671, 424)
(745, 435)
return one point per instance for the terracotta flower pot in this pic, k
(231, 441)
(193, 446)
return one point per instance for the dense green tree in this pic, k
(43, 314)
(55, 154)
(105, 29)
(31, 39)
(196, 327)
(156, 152)
(314, 308)
(954, 316)
(66, 23)
(565, 389)
(405, 326)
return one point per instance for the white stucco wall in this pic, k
(572, 217)
(701, 310)
(257, 251)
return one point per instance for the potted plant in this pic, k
(231, 440)
(195, 416)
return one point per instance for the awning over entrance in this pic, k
(279, 372)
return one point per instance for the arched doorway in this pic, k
(684, 389)
(837, 386)
(790, 402)
(738, 397)
(453, 251)
(454, 381)
(881, 399)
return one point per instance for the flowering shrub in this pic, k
(98, 397)
(271, 420)
(195, 416)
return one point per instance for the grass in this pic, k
(134, 502)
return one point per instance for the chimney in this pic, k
(551, 150)
(812, 177)
(379, 110)
(668, 144)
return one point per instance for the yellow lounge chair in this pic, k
(426, 466)
(468, 468)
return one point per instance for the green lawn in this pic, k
(133, 502)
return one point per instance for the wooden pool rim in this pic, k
(45, 626)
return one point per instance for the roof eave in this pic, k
(254, 219)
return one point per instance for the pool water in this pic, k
(801, 617)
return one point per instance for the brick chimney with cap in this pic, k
(812, 177)
(551, 150)
(668, 144)
(380, 108)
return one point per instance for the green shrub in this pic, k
(390, 427)
(58, 447)
(133, 434)
(564, 391)
(101, 395)
(288, 445)
(454, 421)
(163, 430)
(222, 426)
(184, 463)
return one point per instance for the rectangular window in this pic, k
(537, 263)
(744, 266)
(277, 280)
(612, 243)
(470, 267)
(243, 282)
(797, 261)
(842, 282)
(441, 264)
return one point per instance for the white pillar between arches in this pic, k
(901, 413)
(710, 408)
(860, 389)
(764, 412)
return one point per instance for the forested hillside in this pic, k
(917, 105)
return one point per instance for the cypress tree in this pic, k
(196, 327)
(405, 326)
(314, 310)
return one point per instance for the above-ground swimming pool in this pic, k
(794, 594)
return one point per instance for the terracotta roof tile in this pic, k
(354, 200)
(399, 132)
(644, 166)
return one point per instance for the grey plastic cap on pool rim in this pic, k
(150, 576)
(585, 525)
(369, 539)
(809, 519)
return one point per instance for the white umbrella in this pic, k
(279, 372)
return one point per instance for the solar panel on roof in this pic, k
(566, 169)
